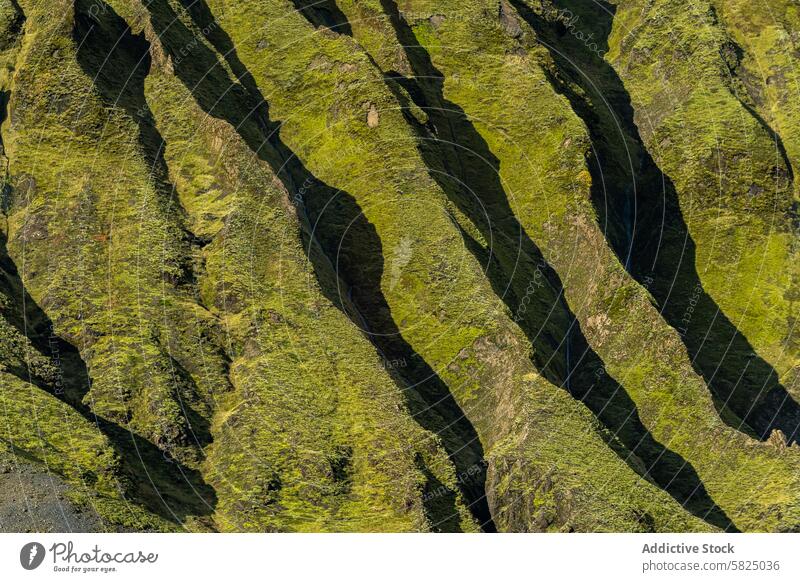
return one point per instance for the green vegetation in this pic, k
(732, 169)
(366, 265)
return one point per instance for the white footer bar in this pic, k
(406, 557)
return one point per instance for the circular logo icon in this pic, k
(31, 555)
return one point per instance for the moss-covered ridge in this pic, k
(736, 195)
(601, 300)
(224, 350)
(278, 327)
(480, 372)
(385, 266)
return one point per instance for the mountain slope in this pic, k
(399, 266)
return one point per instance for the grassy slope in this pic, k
(39, 425)
(158, 331)
(159, 219)
(546, 176)
(766, 34)
(662, 363)
(100, 248)
(316, 436)
(704, 129)
(542, 474)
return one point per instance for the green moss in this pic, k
(444, 313)
(735, 192)
(308, 315)
(542, 164)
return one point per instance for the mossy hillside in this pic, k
(302, 400)
(316, 436)
(94, 279)
(436, 248)
(207, 325)
(752, 385)
(766, 39)
(633, 199)
(307, 185)
(762, 31)
(18, 355)
(465, 73)
(83, 228)
(534, 486)
(388, 49)
(607, 111)
(39, 428)
(495, 362)
(11, 22)
(696, 117)
(191, 239)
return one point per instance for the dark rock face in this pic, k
(11, 22)
(510, 20)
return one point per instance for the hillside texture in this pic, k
(399, 265)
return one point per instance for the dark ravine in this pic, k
(168, 162)
(657, 248)
(160, 483)
(461, 161)
(428, 398)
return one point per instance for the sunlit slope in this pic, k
(417, 275)
(377, 265)
(112, 257)
(727, 197)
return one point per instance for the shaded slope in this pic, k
(232, 292)
(639, 209)
(542, 167)
(763, 36)
(461, 162)
(480, 358)
(364, 265)
(735, 195)
(137, 469)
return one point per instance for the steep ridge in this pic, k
(765, 37)
(736, 202)
(629, 190)
(595, 92)
(469, 340)
(657, 378)
(359, 449)
(44, 378)
(333, 472)
(469, 173)
(366, 265)
(63, 236)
